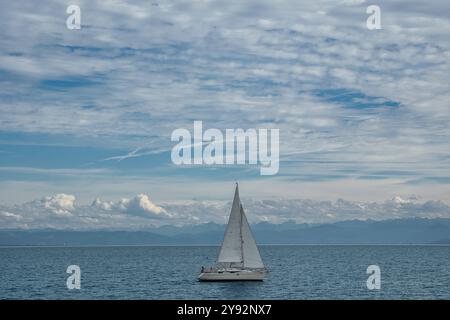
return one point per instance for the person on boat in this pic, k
(203, 269)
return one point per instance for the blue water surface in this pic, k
(165, 272)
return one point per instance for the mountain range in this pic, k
(351, 232)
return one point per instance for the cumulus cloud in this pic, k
(60, 204)
(139, 205)
(102, 205)
(140, 212)
(61, 211)
(312, 211)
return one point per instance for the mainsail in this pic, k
(239, 247)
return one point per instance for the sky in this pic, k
(86, 115)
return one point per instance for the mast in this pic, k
(242, 238)
(240, 224)
(240, 229)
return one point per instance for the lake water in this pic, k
(296, 272)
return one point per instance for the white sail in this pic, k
(239, 247)
(252, 258)
(231, 251)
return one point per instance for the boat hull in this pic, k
(244, 275)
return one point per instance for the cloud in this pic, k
(10, 215)
(60, 204)
(102, 205)
(132, 154)
(140, 205)
(59, 171)
(61, 212)
(313, 211)
(349, 102)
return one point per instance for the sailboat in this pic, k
(239, 257)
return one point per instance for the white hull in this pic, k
(244, 275)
